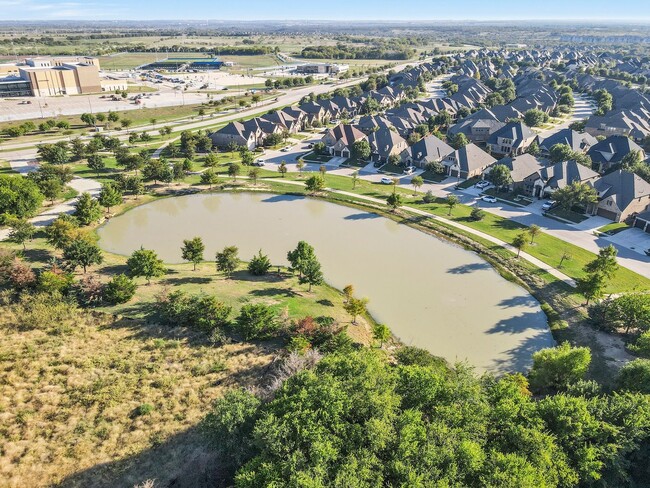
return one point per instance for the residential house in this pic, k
(427, 150)
(560, 175)
(313, 113)
(476, 130)
(524, 170)
(611, 151)
(621, 195)
(384, 143)
(512, 139)
(340, 139)
(236, 133)
(467, 162)
(577, 141)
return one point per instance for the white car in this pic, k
(409, 170)
(259, 162)
(386, 181)
(548, 205)
(489, 199)
(285, 149)
(482, 184)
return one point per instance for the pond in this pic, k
(432, 294)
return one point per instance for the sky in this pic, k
(604, 10)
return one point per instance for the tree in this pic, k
(256, 321)
(605, 264)
(635, 376)
(381, 333)
(604, 100)
(282, 168)
(227, 260)
(361, 149)
(520, 242)
(356, 307)
(534, 230)
(416, 182)
(253, 174)
(558, 367)
(322, 170)
(314, 184)
(451, 201)
(499, 176)
(560, 152)
(300, 165)
(355, 179)
(630, 311)
(145, 262)
(348, 291)
(81, 251)
(311, 273)
(120, 289)
(394, 201)
(61, 231)
(233, 170)
(458, 141)
(19, 196)
(87, 209)
(534, 149)
(299, 257)
(535, 117)
(591, 286)
(21, 231)
(96, 163)
(113, 116)
(259, 264)
(135, 185)
(126, 123)
(192, 250)
(57, 153)
(209, 177)
(51, 189)
(575, 194)
(109, 196)
(153, 170)
(477, 214)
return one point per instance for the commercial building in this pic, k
(321, 69)
(49, 76)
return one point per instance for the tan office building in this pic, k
(62, 76)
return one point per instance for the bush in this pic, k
(477, 214)
(120, 289)
(558, 367)
(642, 345)
(429, 197)
(411, 355)
(259, 265)
(144, 409)
(299, 344)
(257, 321)
(635, 376)
(201, 311)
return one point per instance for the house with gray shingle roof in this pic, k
(512, 139)
(236, 133)
(384, 143)
(577, 141)
(524, 171)
(560, 175)
(621, 195)
(340, 139)
(426, 150)
(467, 162)
(611, 151)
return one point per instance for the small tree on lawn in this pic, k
(259, 265)
(355, 179)
(605, 263)
(192, 250)
(314, 184)
(520, 242)
(394, 201)
(21, 231)
(233, 170)
(416, 182)
(87, 209)
(558, 367)
(300, 165)
(348, 291)
(52, 189)
(145, 262)
(282, 168)
(209, 177)
(322, 169)
(258, 321)
(120, 289)
(227, 260)
(299, 257)
(96, 163)
(356, 307)
(381, 333)
(451, 201)
(591, 286)
(82, 252)
(534, 231)
(311, 273)
(109, 196)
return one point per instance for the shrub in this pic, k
(429, 197)
(299, 344)
(558, 367)
(259, 265)
(120, 289)
(635, 376)
(477, 214)
(144, 409)
(52, 281)
(257, 321)
(201, 311)
(411, 355)
(642, 345)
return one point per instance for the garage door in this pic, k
(641, 224)
(608, 214)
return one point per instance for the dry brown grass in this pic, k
(73, 396)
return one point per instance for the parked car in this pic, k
(549, 205)
(285, 149)
(377, 164)
(489, 199)
(482, 184)
(259, 162)
(310, 145)
(409, 170)
(386, 181)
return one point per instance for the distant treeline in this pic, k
(356, 52)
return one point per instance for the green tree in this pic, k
(560, 152)
(361, 149)
(591, 286)
(381, 334)
(535, 117)
(534, 230)
(96, 163)
(282, 168)
(257, 321)
(81, 251)
(394, 201)
(209, 177)
(311, 273)
(520, 242)
(416, 182)
(259, 265)
(51, 189)
(299, 257)
(576, 193)
(109, 196)
(61, 231)
(558, 367)
(145, 262)
(356, 307)
(57, 153)
(499, 176)
(21, 231)
(253, 175)
(87, 209)
(19, 196)
(458, 141)
(120, 289)
(315, 184)
(635, 376)
(227, 260)
(192, 250)
(233, 170)
(451, 201)
(605, 263)
(300, 165)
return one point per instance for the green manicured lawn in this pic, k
(392, 169)
(468, 183)
(569, 215)
(319, 158)
(507, 196)
(613, 228)
(434, 177)
(355, 163)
